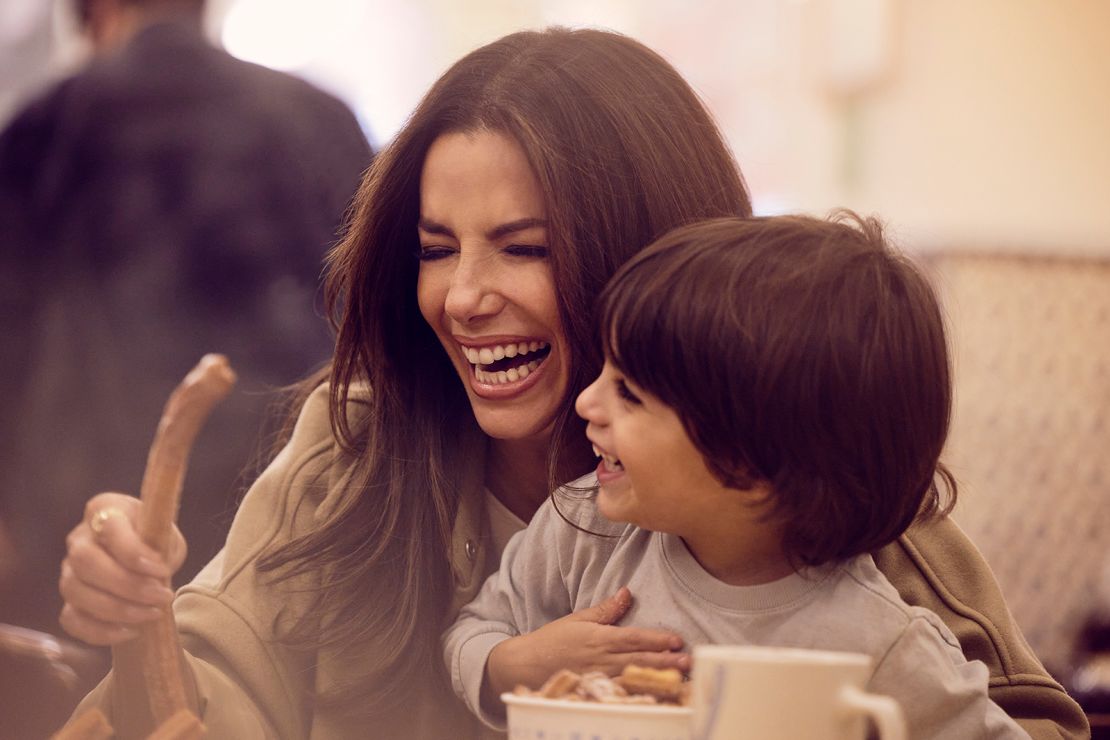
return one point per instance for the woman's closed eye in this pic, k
(432, 252)
(534, 251)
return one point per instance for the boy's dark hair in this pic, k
(799, 351)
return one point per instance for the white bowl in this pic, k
(558, 719)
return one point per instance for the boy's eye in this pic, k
(626, 393)
(526, 250)
(433, 252)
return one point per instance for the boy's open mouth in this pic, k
(506, 363)
(610, 463)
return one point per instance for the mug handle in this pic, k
(885, 712)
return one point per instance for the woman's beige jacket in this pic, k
(251, 686)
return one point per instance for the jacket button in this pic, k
(471, 549)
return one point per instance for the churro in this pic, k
(635, 685)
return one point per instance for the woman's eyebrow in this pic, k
(432, 227)
(513, 226)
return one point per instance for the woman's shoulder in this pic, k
(292, 493)
(314, 422)
(314, 418)
(313, 449)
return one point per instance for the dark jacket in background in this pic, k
(167, 201)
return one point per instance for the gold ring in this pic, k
(97, 520)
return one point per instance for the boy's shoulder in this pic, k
(884, 606)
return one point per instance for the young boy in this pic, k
(772, 409)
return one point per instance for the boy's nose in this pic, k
(587, 406)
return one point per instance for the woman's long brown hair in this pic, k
(623, 151)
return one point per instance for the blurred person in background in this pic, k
(167, 201)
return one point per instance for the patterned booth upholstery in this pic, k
(1030, 443)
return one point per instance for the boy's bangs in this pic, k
(635, 331)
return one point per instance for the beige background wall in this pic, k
(984, 123)
(995, 130)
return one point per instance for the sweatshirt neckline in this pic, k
(782, 593)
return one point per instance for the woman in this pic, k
(532, 169)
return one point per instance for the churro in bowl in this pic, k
(646, 703)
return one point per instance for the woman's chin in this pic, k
(518, 411)
(504, 426)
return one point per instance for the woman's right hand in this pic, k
(111, 580)
(587, 640)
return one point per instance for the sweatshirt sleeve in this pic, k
(529, 590)
(934, 565)
(943, 695)
(226, 708)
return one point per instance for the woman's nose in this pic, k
(473, 292)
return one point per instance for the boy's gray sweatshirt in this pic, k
(552, 569)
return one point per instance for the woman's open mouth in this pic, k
(503, 364)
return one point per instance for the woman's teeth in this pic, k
(612, 464)
(490, 355)
(487, 355)
(506, 376)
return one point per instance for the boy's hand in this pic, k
(586, 640)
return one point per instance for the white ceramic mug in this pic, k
(787, 693)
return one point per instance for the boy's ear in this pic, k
(738, 476)
(753, 490)
(755, 493)
(759, 492)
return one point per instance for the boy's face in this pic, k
(650, 473)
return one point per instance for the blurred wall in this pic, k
(981, 124)
(995, 129)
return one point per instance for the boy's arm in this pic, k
(942, 694)
(526, 592)
(520, 629)
(936, 566)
